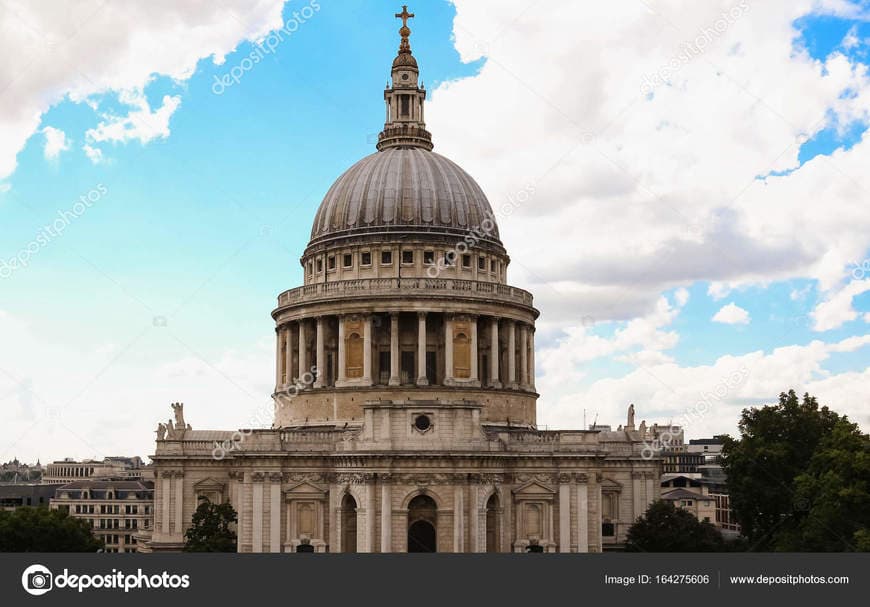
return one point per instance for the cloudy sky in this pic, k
(682, 185)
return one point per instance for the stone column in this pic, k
(395, 380)
(342, 363)
(458, 519)
(279, 359)
(494, 355)
(321, 353)
(636, 500)
(288, 355)
(165, 494)
(650, 490)
(524, 357)
(367, 350)
(448, 349)
(564, 513)
(599, 517)
(275, 513)
(532, 358)
(386, 515)
(422, 380)
(512, 355)
(366, 519)
(179, 503)
(239, 504)
(474, 518)
(257, 514)
(582, 516)
(303, 351)
(474, 370)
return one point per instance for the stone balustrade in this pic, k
(406, 287)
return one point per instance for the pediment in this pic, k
(305, 489)
(209, 484)
(608, 484)
(534, 488)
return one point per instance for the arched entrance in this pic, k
(348, 524)
(492, 526)
(422, 524)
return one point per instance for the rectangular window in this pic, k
(330, 263)
(404, 103)
(319, 265)
(492, 265)
(428, 257)
(387, 258)
(481, 263)
(365, 258)
(407, 256)
(450, 258)
(347, 260)
(466, 261)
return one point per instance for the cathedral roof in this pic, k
(404, 189)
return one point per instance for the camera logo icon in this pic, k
(37, 580)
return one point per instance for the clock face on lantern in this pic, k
(405, 76)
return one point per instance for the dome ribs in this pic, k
(409, 187)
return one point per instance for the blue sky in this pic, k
(173, 272)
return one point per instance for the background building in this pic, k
(116, 509)
(116, 467)
(16, 495)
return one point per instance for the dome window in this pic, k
(481, 263)
(428, 257)
(466, 261)
(386, 258)
(330, 263)
(407, 256)
(319, 266)
(365, 258)
(347, 260)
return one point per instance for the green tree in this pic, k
(833, 495)
(211, 529)
(666, 528)
(775, 446)
(29, 529)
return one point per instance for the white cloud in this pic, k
(708, 398)
(55, 142)
(640, 194)
(139, 124)
(92, 48)
(732, 314)
(95, 155)
(681, 296)
(837, 308)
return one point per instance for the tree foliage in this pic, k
(211, 529)
(666, 528)
(798, 477)
(30, 529)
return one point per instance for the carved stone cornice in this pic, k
(275, 477)
(258, 477)
(581, 477)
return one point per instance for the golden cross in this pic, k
(404, 15)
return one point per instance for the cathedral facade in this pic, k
(405, 401)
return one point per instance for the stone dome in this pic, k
(407, 190)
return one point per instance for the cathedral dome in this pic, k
(407, 190)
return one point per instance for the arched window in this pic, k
(348, 524)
